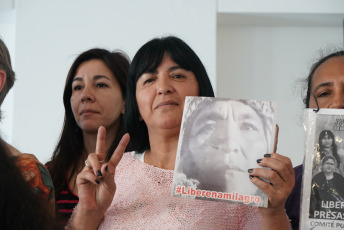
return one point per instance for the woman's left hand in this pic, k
(281, 179)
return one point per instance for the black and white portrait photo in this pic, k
(220, 140)
(322, 202)
(327, 187)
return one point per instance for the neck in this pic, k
(327, 150)
(329, 176)
(163, 148)
(90, 140)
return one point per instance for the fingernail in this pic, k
(106, 169)
(250, 170)
(259, 160)
(99, 173)
(267, 155)
(251, 176)
(97, 181)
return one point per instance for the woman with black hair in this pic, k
(93, 96)
(138, 184)
(324, 89)
(328, 146)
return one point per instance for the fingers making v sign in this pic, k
(96, 186)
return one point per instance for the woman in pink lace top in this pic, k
(134, 190)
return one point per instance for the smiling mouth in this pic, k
(88, 112)
(167, 103)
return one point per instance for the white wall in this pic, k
(266, 62)
(257, 50)
(49, 35)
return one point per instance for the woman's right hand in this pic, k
(96, 185)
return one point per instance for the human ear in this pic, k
(2, 79)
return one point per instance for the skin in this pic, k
(96, 97)
(96, 101)
(328, 168)
(245, 144)
(328, 84)
(327, 142)
(160, 98)
(168, 84)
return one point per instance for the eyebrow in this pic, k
(248, 116)
(172, 68)
(209, 114)
(324, 84)
(96, 77)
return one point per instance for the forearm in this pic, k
(84, 221)
(275, 219)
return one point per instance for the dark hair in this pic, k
(314, 67)
(334, 146)
(21, 208)
(326, 158)
(69, 148)
(147, 59)
(5, 65)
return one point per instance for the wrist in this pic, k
(88, 220)
(276, 217)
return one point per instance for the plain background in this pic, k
(251, 50)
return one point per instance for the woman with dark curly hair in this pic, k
(324, 89)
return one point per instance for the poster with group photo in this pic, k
(220, 139)
(322, 204)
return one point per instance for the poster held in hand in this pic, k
(322, 204)
(220, 139)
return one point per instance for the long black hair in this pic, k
(147, 59)
(333, 146)
(70, 145)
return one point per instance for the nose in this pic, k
(338, 101)
(87, 95)
(231, 145)
(164, 86)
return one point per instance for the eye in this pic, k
(248, 127)
(149, 80)
(177, 76)
(77, 87)
(324, 94)
(101, 85)
(207, 128)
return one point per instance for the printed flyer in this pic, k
(220, 139)
(322, 204)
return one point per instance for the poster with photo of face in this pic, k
(322, 204)
(220, 139)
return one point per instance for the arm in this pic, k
(96, 186)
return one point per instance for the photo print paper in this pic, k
(322, 204)
(220, 139)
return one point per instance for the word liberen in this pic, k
(234, 196)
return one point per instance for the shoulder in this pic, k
(335, 174)
(340, 152)
(36, 175)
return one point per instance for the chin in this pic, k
(89, 128)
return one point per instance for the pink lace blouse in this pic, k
(143, 200)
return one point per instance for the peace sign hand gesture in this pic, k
(96, 185)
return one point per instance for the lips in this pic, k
(166, 103)
(87, 111)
